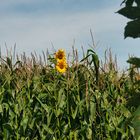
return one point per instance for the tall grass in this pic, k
(92, 100)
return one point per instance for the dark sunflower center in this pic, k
(60, 56)
(61, 65)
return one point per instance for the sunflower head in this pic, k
(60, 54)
(61, 66)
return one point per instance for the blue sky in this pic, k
(34, 25)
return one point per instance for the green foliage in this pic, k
(132, 29)
(134, 61)
(136, 122)
(132, 12)
(89, 101)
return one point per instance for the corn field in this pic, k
(43, 98)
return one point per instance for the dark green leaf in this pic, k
(130, 12)
(129, 2)
(132, 29)
(135, 61)
(7, 130)
(137, 2)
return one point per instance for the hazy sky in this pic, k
(34, 25)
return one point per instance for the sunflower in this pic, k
(60, 54)
(61, 66)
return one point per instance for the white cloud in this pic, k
(36, 32)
